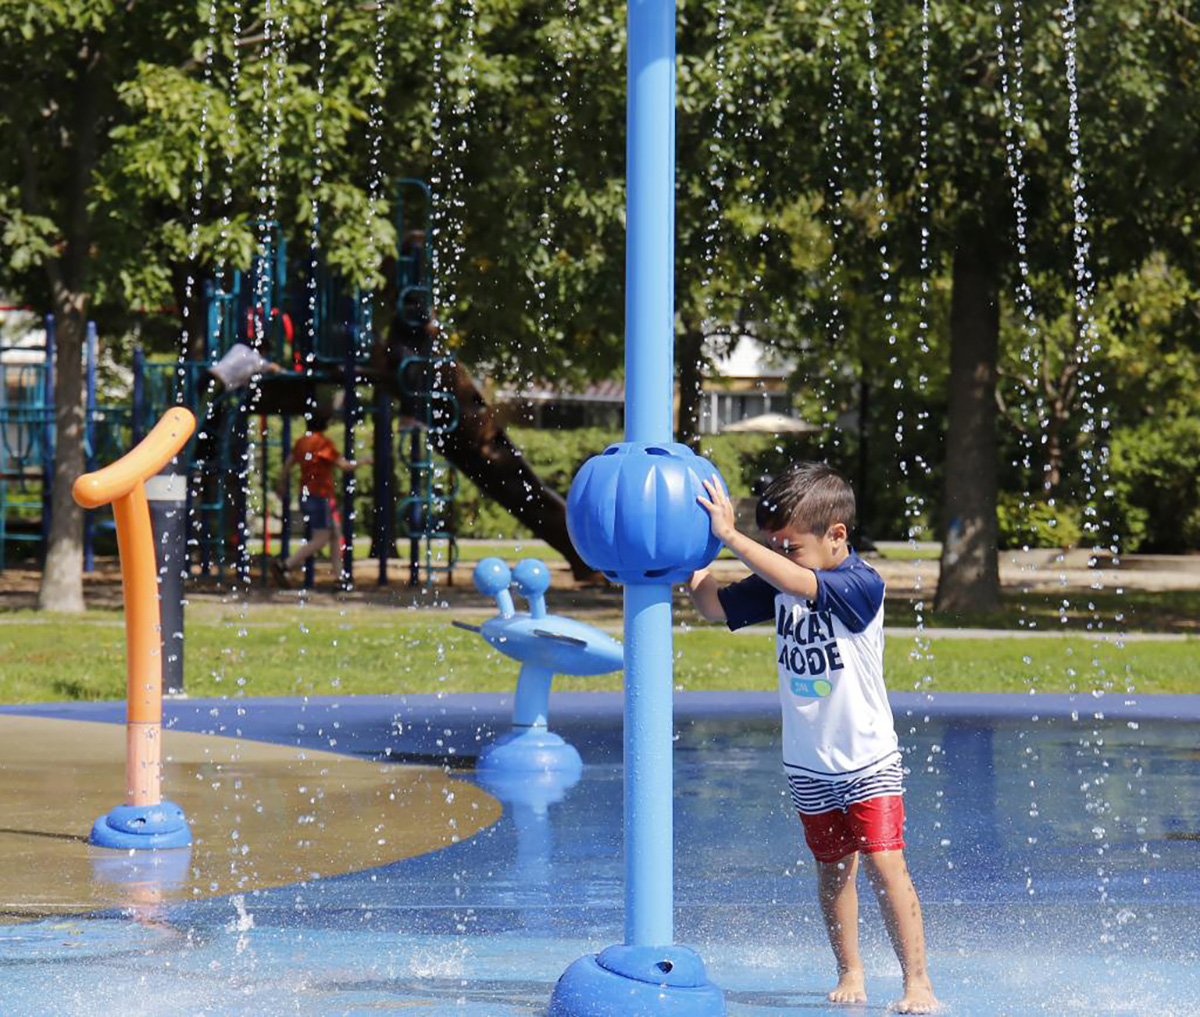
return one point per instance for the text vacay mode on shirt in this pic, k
(808, 649)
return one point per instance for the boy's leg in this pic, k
(335, 548)
(838, 895)
(319, 539)
(902, 915)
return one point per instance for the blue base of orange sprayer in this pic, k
(142, 827)
(530, 750)
(637, 981)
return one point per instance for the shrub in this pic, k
(1035, 523)
(1155, 473)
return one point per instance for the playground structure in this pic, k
(27, 438)
(321, 335)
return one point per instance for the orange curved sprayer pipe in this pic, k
(150, 455)
(122, 484)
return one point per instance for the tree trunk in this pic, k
(689, 369)
(62, 575)
(970, 568)
(1052, 472)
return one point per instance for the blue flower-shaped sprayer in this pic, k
(545, 644)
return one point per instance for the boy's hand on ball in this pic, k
(720, 511)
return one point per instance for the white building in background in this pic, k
(22, 356)
(746, 382)
(22, 336)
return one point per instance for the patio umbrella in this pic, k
(773, 423)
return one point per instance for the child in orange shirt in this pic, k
(317, 458)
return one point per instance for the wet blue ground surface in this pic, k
(1057, 859)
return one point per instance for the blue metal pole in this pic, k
(650, 223)
(285, 515)
(212, 319)
(89, 429)
(648, 974)
(138, 409)
(49, 412)
(649, 402)
(649, 834)
(350, 410)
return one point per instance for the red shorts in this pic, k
(874, 825)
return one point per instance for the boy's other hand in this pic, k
(720, 511)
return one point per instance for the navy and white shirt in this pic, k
(837, 722)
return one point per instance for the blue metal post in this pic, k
(350, 410)
(384, 472)
(285, 514)
(49, 411)
(212, 319)
(650, 223)
(139, 393)
(649, 401)
(89, 430)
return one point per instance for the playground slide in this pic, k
(481, 449)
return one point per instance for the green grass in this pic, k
(1133, 611)
(319, 651)
(712, 659)
(893, 553)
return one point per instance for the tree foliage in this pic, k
(148, 141)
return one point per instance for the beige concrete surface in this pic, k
(261, 816)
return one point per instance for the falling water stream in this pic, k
(835, 151)
(1033, 351)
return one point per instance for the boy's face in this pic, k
(811, 550)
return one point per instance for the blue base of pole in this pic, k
(637, 981)
(142, 827)
(529, 750)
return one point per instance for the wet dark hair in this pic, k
(319, 421)
(809, 496)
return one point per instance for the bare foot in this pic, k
(918, 998)
(851, 988)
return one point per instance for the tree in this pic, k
(786, 199)
(1131, 109)
(64, 65)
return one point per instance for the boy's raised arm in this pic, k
(785, 575)
(703, 588)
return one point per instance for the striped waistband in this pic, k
(812, 796)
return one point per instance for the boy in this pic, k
(839, 745)
(317, 457)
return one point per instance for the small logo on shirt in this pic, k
(817, 689)
(809, 649)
